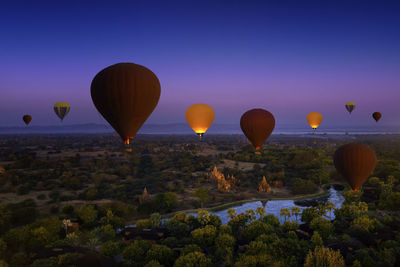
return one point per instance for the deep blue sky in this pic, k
(289, 57)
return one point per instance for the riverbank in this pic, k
(321, 193)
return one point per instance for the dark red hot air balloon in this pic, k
(27, 119)
(355, 162)
(257, 125)
(377, 116)
(125, 94)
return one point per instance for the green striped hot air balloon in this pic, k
(61, 109)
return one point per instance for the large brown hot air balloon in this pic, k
(125, 94)
(377, 116)
(200, 117)
(257, 125)
(314, 119)
(355, 162)
(27, 119)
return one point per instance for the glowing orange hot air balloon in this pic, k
(257, 125)
(355, 162)
(125, 94)
(27, 119)
(314, 119)
(200, 117)
(377, 116)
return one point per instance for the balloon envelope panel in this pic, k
(27, 119)
(377, 116)
(61, 109)
(314, 119)
(355, 162)
(257, 125)
(200, 117)
(125, 94)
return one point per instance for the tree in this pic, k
(329, 206)
(231, 213)
(202, 195)
(255, 229)
(135, 253)
(296, 211)
(309, 214)
(194, 259)
(316, 240)
(393, 201)
(260, 211)
(160, 253)
(324, 257)
(203, 216)
(190, 248)
(365, 223)
(111, 248)
(87, 213)
(204, 236)
(285, 212)
(153, 263)
(224, 252)
(143, 223)
(155, 220)
(324, 227)
(258, 260)
(271, 220)
(251, 214)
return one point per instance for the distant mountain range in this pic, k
(181, 128)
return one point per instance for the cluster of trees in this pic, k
(365, 231)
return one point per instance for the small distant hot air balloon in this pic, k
(125, 94)
(27, 119)
(355, 162)
(350, 106)
(377, 116)
(200, 117)
(61, 109)
(257, 125)
(314, 119)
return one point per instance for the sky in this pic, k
(288, 57)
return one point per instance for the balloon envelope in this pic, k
(61, 109)
(200, 117)
(350, 106)
(377, 116)
(125, 94)
(355, 162)
(257, 125)
(314, 119)
(27, 119)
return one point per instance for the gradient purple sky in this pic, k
(285, 56)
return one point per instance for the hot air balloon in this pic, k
(350, 106)
(377, 116)
(200, 117)
(355, 162)
(27, 119)
(314, 119)
(61, 109)
(257, 125)
(125, 94)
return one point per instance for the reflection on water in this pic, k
(274, 207)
